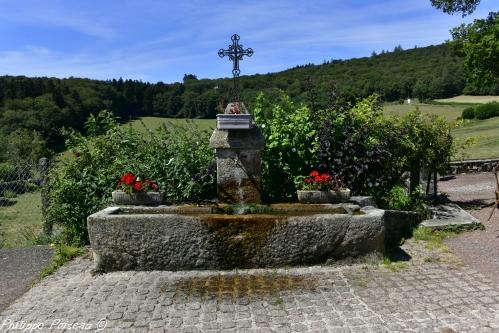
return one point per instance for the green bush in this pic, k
(361, 146)
(23, 146)
(399, 199)
(8, 172)
(177, 157)
(291, 144)
(487, 110)
(468, 113)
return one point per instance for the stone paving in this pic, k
(432, 292)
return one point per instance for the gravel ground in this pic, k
(478, 249)
(19, 268)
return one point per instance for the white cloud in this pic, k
(55, 14)
(162, 40)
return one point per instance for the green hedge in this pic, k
(468, 113)
(486, 111)
(482, 111)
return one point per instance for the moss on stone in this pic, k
(236, 286)
(241, 236)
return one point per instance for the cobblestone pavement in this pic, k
(431, 292)
(477, 249)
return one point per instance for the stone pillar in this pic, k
(238, 158)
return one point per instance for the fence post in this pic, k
(43, 168)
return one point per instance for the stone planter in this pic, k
(137, 199)
(233, 121)
(316, 196)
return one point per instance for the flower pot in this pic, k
(137, 199)
(329, 196)
(234, 121)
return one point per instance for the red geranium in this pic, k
(128, 178)
(130, 183)
(314, 173)
(137, 186)
(320, 181)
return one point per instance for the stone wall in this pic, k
(473, 166)
(400, 225)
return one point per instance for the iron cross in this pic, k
(235, 54)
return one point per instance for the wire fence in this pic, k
(22, 196)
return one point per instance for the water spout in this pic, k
(236, 159)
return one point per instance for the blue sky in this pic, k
(161, 40)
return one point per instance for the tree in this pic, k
(189, 77)
(24, 145)
(454, 6)
(426, 143)
(478, 44)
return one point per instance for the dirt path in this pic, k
(479, 249)
(19, 268)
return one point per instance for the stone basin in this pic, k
(203, 237)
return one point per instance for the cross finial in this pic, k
(235, 54)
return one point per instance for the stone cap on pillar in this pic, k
(238, 139)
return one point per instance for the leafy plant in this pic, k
(399, 199)
(32, 236)
(8, 172)
(291, 144)
(360, 145)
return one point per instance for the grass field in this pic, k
(22, 220)
(486, 133)
(153, 123)
(469, 99)
(449, 112)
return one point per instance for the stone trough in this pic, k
(196, 238)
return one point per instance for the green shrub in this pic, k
(23, 145)
(426, 141)
(487, 110)
(399, 199)
(177, 157)
(8, 172)
(361, 146)
(468, 113)
(291, 144)
(9, 194)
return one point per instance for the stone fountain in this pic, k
(237, 142)
(216, 237)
